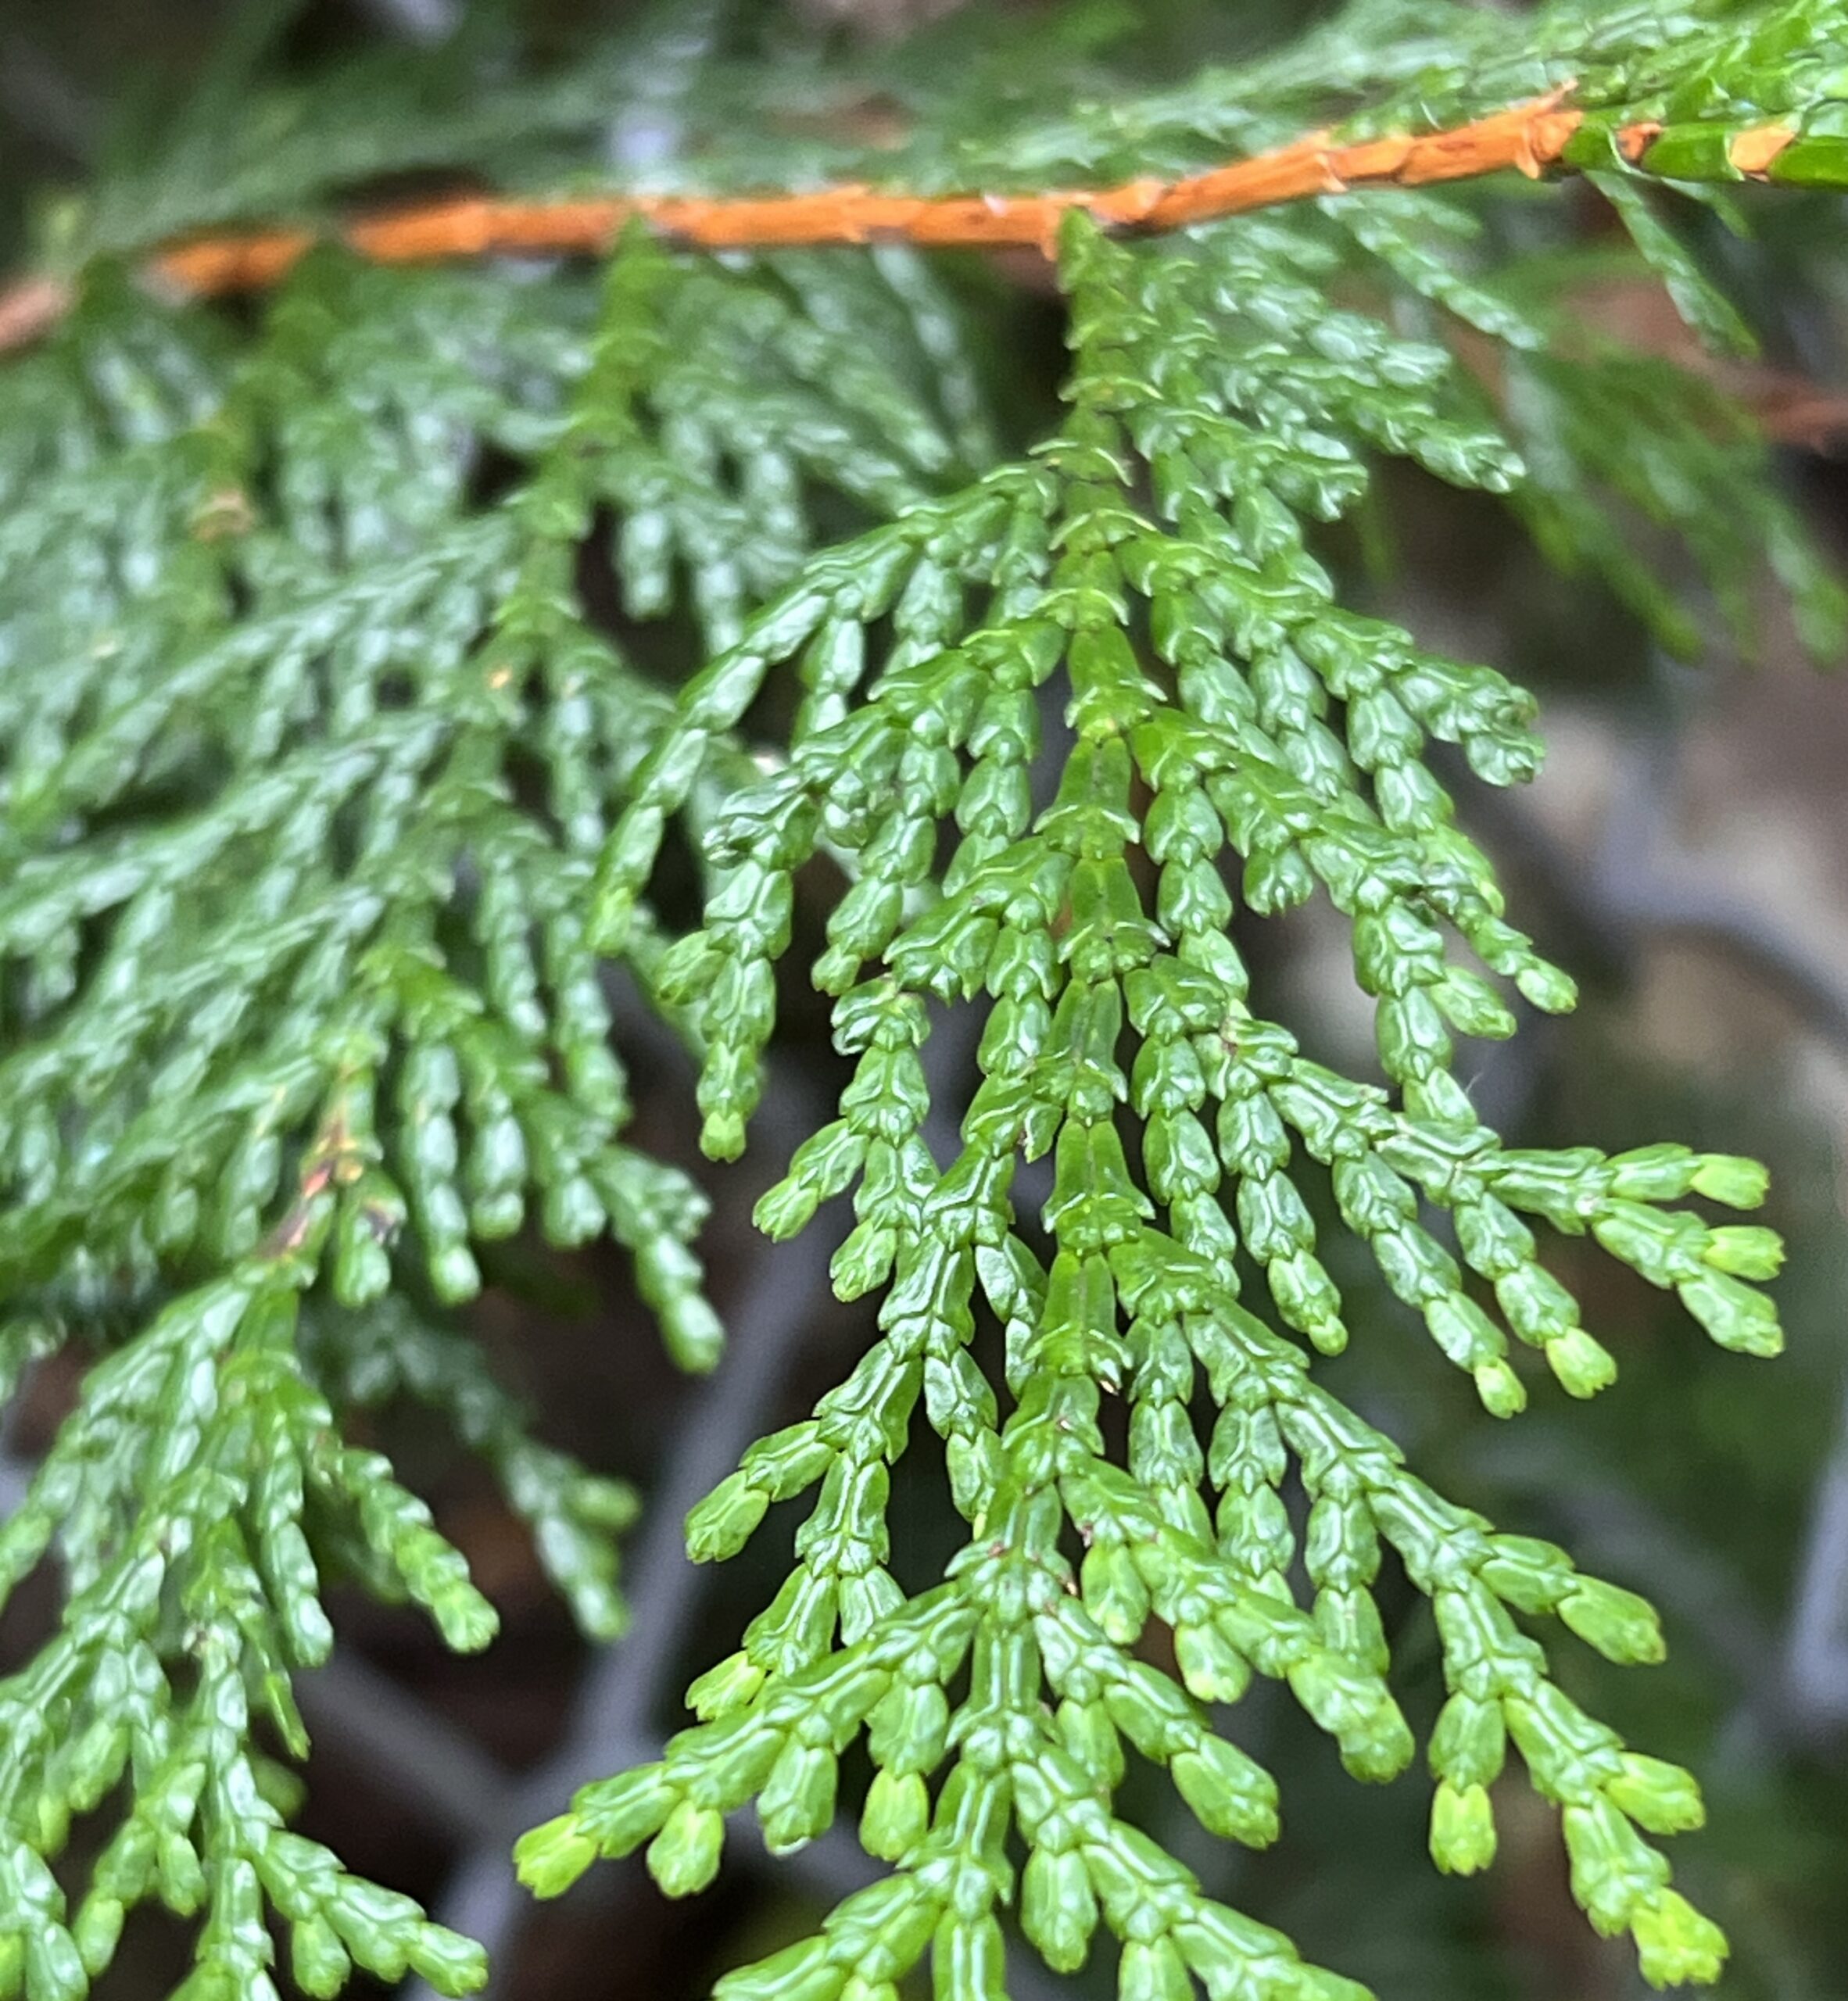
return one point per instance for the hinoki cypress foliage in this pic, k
(331, 802)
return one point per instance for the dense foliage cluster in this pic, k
(330, 797)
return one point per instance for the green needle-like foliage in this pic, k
(332, 789)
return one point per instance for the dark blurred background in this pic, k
(1686, 851)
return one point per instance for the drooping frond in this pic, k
(357, 662)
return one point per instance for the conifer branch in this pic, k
(385, 672)
(1532, 139)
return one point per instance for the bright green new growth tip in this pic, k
(328, 801)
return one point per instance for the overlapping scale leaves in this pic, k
(310, 744)
(326, 794)
(1233, 740)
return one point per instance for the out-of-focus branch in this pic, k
(440, 1772)
(416, 21)
(613, 1717)
(1816, 1648)
(1633, 887)
(41, 100)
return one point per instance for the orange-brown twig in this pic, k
(1528, 137)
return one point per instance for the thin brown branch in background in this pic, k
(1529, 138)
